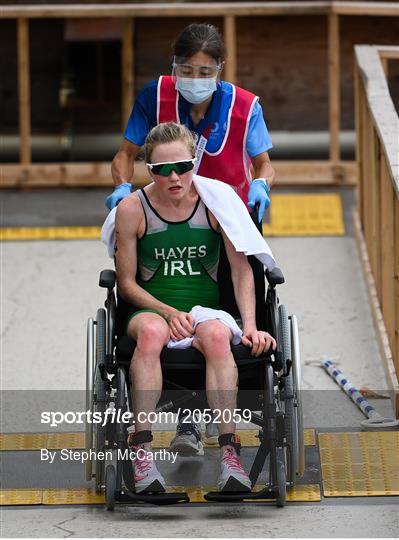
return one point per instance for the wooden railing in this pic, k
(321, 172)
(377, 128)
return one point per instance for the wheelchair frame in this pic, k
(280, 420)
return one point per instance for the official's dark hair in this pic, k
(200, 37)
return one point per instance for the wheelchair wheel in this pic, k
(296, 374)
(281, 478)
(99, 395)
(287, 397)
(110, 486)
(89, 395)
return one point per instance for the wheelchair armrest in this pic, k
(275, 276)
(107, 279)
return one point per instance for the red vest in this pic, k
(230, 163)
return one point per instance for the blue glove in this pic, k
(119, 193)
(259, 193)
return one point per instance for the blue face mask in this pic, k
(196, 90)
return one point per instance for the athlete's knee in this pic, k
(151, 337)
(215, 339)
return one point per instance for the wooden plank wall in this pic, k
(278, 59)
(334, 81)
(127, 75)
(236, 66)
(230, 39)
(24, 90)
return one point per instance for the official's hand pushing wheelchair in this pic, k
(269, 386)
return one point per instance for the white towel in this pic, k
(230, 212)
(233, 217)
(201, 314)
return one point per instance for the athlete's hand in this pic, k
(119, 193)
(181, 325)
(257, 339)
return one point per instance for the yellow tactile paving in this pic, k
(56, 441)
(304, 493)
(305, 215)
(23, 441)
(15, 497)
(359, 464)
(49, 233)
(72, 496)
(162, 439)
(36, 441)
(248, 437)
(195, 494)
(309, 437)
(310, 214)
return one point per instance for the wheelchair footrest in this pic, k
(231, 496)
(153, 498)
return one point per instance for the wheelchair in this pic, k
(269, 386)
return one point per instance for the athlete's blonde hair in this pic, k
(167, 133)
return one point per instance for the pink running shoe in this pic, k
(146, 475)
(232, 475)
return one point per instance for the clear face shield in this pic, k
(196, 83)
(182, 68)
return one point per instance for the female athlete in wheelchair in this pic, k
(175, 322)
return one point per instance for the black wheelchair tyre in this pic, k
(269, 423)
(100, 395)
(281, 478)
(110, 486)
(101, 333)
(287, 396)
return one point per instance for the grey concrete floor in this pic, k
(379, 520)
(49, 289)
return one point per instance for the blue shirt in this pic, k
(144, 117)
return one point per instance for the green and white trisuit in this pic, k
(177, 262)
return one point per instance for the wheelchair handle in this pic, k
(254, 217)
